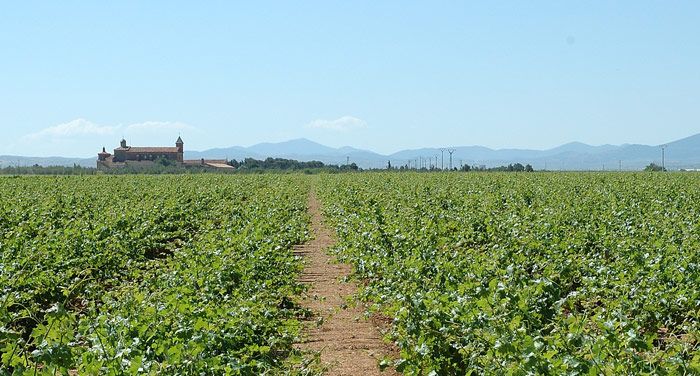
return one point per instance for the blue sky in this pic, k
(382, 75)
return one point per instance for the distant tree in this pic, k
(466, 167)
(388, 165)
(165, 161)
(528, 168)
(654, 167)
(37, 169)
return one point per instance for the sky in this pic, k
(379, 75)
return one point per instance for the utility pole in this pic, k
(347, 160)
(620, 162)
(442, 158)
(663, 157)
(451, 151)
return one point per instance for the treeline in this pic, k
(281, 164)
(247, 165)
(513, 167)
(516, 167)
(152, 169)
(163, 166)
(48, 170)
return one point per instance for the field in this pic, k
(528, 273)
(489, 273)
(138, 274)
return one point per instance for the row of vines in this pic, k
(510, 274)
(150, 274)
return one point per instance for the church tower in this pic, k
(180, 149)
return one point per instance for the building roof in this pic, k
(136, 149)
(219, 165)
(216, 163)
(202, 160)
(179, 140)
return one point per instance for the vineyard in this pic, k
(528, 273)
(488, 273)
(149, 275)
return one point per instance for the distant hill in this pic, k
(300, 149)
(683, 153)
(13, 160)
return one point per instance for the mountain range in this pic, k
(683, 153)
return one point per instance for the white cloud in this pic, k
(73, 128)
(82, 127)
(345, 123)
(81, 137)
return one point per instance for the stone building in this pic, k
(143, 156)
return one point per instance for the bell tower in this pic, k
(180, 149)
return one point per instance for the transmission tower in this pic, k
(663, 157)
(451, 151)
(442, 158)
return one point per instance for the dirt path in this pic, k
(348, 343)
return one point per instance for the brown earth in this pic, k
(348, 343)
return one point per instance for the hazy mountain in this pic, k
(234, 152)
(13, 160)
(299, 146)
(683, 153)
(579, 147)
(299, 149)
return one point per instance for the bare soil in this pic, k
(348, 343)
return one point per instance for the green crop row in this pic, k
(149, 274)
(509, 274)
